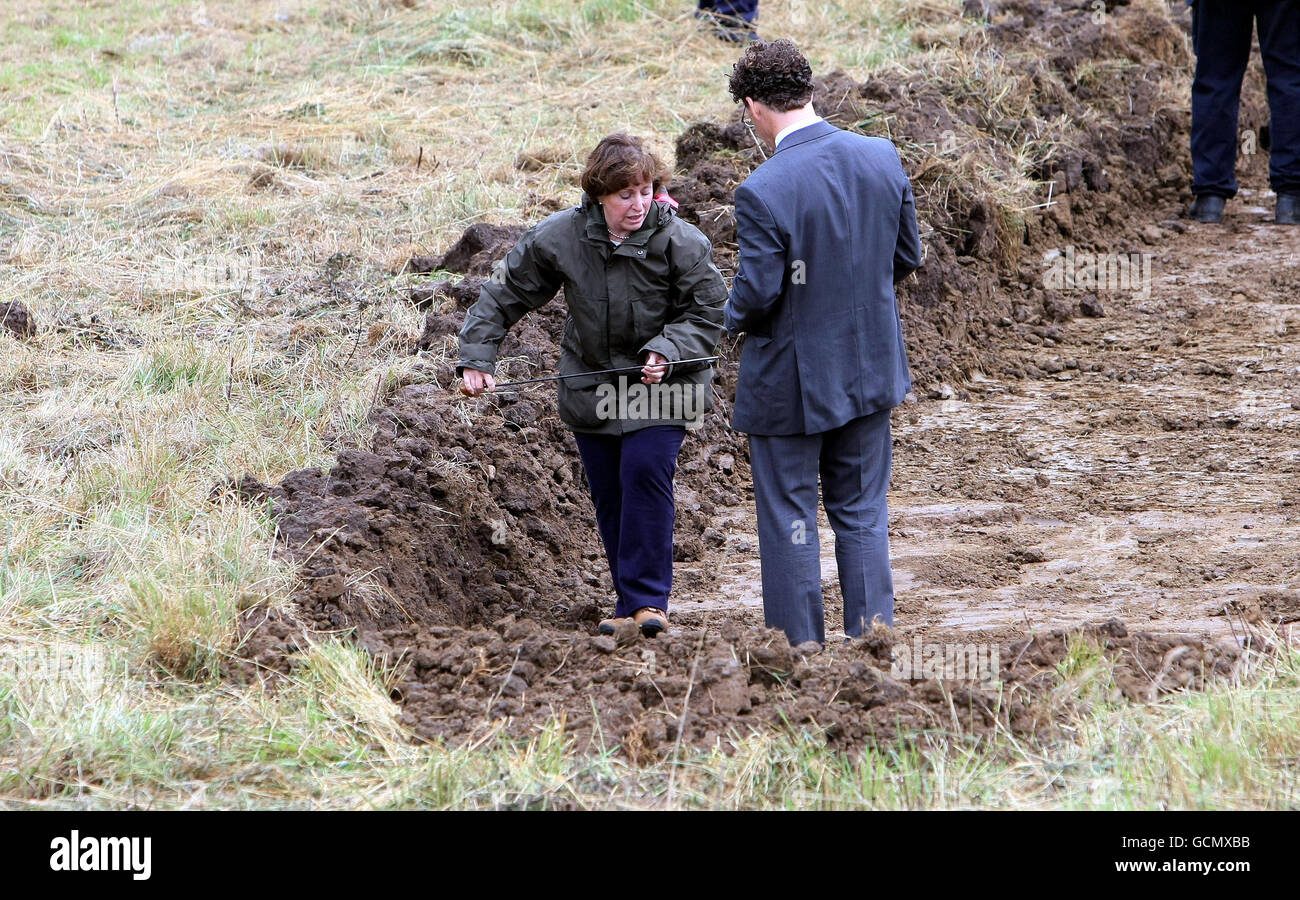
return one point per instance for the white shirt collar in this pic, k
(792, 128)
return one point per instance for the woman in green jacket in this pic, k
(641, 290)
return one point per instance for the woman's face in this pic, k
(625, 210)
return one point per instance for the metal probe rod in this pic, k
(624, 369)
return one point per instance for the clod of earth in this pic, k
(17, 319)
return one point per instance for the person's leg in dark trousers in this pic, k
(1279, 45)
(631, 481)
(601, 454)
(645, 552)
(856, 460)
(1221, 36)
(785, 496)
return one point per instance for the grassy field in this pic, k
(204, 206)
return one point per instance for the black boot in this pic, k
(1288, 209)
(728, 28)
(1207, 208)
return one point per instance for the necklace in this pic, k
(616, 236)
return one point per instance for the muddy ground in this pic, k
(1112, 466)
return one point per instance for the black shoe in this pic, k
(1288, 209)
(1207, 208)
(736, 35)
(733, 36)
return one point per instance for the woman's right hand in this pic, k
(476, 382)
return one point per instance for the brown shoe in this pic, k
(651, 620)
(610, 626)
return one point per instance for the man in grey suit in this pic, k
(826, 227)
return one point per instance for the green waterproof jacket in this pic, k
(657, 291)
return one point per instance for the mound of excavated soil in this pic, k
(464, 510)
(710, 687)
(462, 546)
(1107, 142)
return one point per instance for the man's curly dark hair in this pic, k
(774, 73)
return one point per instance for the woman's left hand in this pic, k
(655, 368)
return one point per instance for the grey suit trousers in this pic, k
(854, 462)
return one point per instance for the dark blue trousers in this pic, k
(1221, 33)
(745, 10)
(631, 480)
(854, 462)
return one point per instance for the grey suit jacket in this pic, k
(825, 228)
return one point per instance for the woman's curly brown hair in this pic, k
(620, 161)
(775, 74)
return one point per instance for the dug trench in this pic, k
(1116, 467)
